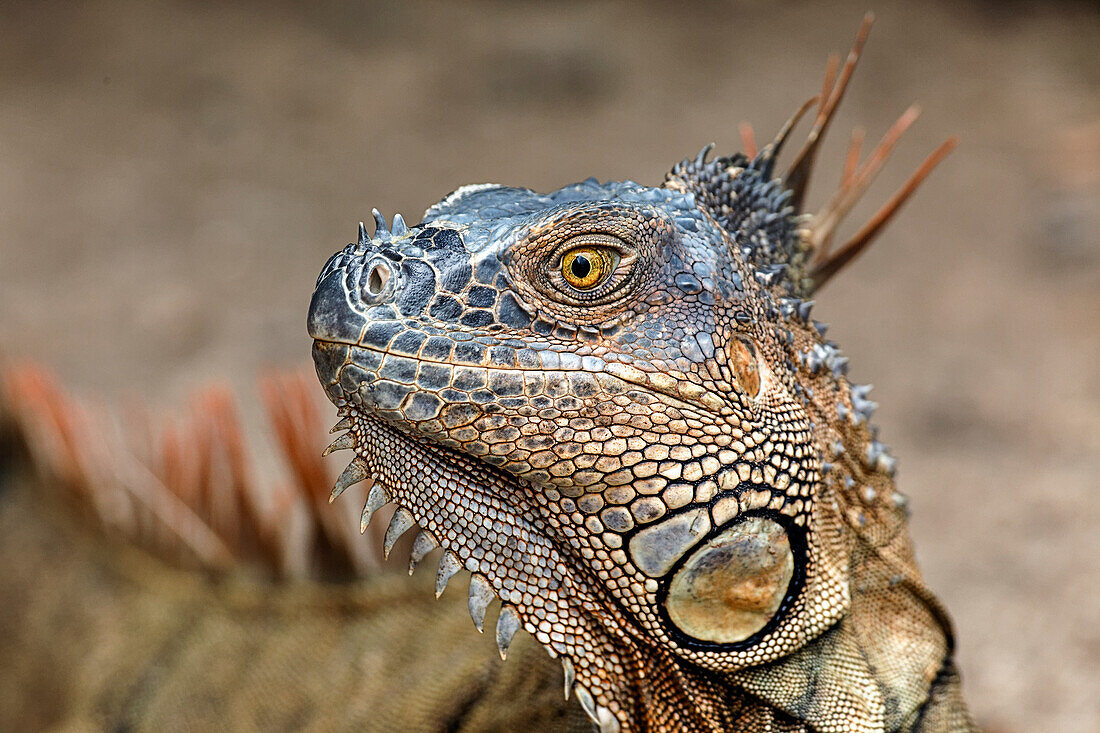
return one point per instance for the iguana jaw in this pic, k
(504, 530)
(490, 523)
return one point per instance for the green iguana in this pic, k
(608, 403)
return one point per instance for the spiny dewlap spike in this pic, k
(508, 624)
(381, 229)
(353, 474)
(606, 720)
(344, 442)
(400, 523)
(449, 564)
(422, 545)
(399, 228)
(344, 424)
(376, 499)
(481, 595)
(584, 697)
(570, 676)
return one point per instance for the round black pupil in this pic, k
(580, 267)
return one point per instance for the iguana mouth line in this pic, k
(669, 397)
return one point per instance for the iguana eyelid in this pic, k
(593, 240)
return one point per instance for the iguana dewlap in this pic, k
(610, 405)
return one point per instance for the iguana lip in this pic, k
(674, 390)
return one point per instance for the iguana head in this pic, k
(609, 404)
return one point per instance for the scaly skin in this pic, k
(665, 476)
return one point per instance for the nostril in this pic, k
(377, 278)
(377, 281)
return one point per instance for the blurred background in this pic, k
(173, 175)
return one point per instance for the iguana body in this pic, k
(609, 404)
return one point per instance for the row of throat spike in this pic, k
(481, 593)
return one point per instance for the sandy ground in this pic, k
(172, 177)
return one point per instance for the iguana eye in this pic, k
(583, 268)
(588, 267)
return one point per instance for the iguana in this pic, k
(610, 404)
(745, 564)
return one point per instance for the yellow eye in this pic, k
(586, 267)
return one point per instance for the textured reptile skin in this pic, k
(653, 458)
